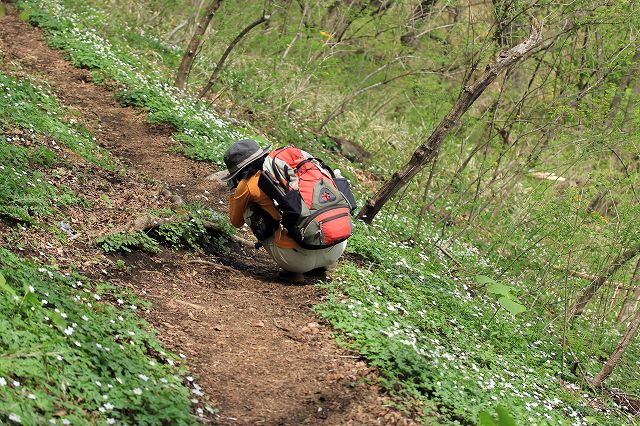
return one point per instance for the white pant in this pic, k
(303, 260)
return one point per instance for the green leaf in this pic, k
(5, 287)
(484, 419)
(504, 418)
(511, 305)
(501, 289)
(483, 279)
(31, 299)
(25, 15)
(57, 319)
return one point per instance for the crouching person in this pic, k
(296, 207)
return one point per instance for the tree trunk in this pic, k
(622, 87)
(630, 304)
(194, 45)
(591, 289)
(615, 357)
(223, 58)
(426, 152)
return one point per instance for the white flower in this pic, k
(31, 289)
(84, 317)
(143, 377)
(108, 406)
(31, 396)
(15, 383)
(137, 391)
(68, 331)
(15, 418)
(65, 422)
(111, 421)
(3, 381)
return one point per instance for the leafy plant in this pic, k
(201, 134)
(191, 230)
(504, 293)
(34, 112)
(127, 242)
(504, 418)
(67, 356)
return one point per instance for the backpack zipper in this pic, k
(318, 213)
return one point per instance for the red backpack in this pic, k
(315, 212)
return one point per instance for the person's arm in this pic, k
(238, 204)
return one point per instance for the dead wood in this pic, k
(427, 151)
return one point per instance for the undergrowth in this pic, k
(69, 358)
(200, 135)
(28, 110)
(194, 227)
(444, 341)
(438, 339)
(25, 193)
(126, 242)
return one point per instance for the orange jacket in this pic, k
(248, 192)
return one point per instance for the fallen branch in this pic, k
(425, 153)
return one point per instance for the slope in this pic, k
(254, 343)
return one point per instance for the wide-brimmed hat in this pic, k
(241, 154)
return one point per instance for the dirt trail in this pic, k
(254, 343)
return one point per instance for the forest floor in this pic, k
(254, 343)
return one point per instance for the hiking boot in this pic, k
(291, 277)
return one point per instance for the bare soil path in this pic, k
(255, 345)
